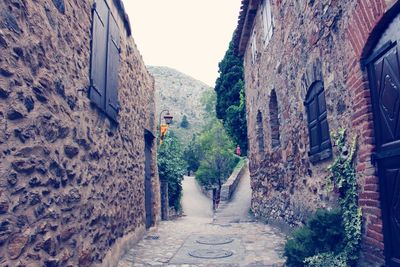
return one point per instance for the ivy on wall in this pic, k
(343, 178)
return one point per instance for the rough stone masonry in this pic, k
(291, 48)
(71, 179)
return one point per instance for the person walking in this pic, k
(238, 152)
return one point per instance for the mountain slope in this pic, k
(181, 95)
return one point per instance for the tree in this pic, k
(211, 153)
(231, 104)
(172, 167)
(184, 122)
(192, 154)
(236, 123)
(217, 159)
(209, 101)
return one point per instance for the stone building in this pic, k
(78, 175)
(310, 68)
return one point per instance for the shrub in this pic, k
(323, 233)
(171, 168)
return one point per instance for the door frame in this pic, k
(379, 155)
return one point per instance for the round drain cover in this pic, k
(210, 253)
(214, 240)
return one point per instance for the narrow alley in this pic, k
(260, 133)
(188, 241)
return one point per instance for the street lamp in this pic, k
(167, 117)
(163, 183)
(163, 127)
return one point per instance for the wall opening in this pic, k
(274, 120)
(260, 132)
(148, 190)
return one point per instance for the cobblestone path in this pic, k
(231, 238)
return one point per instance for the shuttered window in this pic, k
(320, 143)
(267, 21)
(253, 47)
(105, 60)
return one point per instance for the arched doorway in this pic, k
(384, 75)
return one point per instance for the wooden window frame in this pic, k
(317, 124)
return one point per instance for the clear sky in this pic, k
(188, 35)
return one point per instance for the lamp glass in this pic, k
(168, 118)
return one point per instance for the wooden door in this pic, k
(148, 197)
(384, 74)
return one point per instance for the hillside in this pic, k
(181, 95)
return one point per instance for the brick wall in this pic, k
(71, 181)
(367, 22)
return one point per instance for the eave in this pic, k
(247, 15)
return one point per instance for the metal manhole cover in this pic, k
(210, 253)
(152, 237)
(214, 240)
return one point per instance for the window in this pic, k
(320, 143)
(267, 21)
(260, 132)
(104, 60)
(274, 120)
(253, 47)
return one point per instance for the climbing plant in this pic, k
(343, 177)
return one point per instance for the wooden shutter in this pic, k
(317, 119)
(99, 52)
(323, 120)
(113, 61)
(313, 125)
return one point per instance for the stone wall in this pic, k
(306, 46)
(71, 181)
(312, 40)
(229, 187)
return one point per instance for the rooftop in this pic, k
(248, 12)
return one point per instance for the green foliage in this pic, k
(322, 233)
(192, 154)
(209, 101)
(210, 154)
(230, 104)
(216, 158)
(326, 260)
(184, 122)
(236, 118)
(172, 167)
(343, 177)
